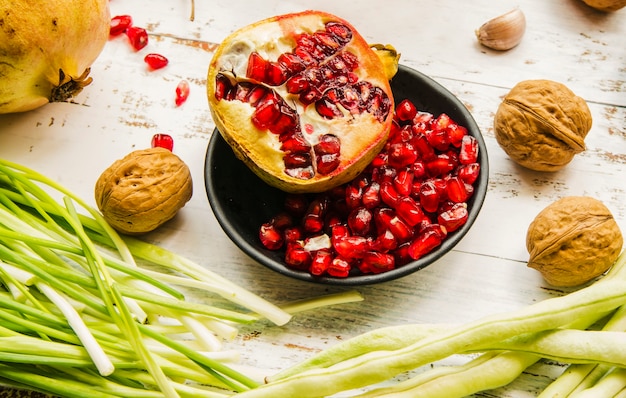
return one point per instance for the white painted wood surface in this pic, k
(565, 41)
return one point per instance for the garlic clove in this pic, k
(503, 32)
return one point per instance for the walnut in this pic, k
(143, 190)
(573, 241)
(542, 124)
(606, 5)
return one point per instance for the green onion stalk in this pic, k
(88, 312)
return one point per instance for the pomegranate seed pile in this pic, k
(403, 206)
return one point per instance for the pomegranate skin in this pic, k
(47, 49)
(361, 135)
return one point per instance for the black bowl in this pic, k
(242, 202)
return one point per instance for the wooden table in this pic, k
(565, 41)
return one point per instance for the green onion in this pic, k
(87, 312)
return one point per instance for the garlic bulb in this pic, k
(503, 32)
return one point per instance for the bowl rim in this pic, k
(480, 190)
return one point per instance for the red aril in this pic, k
(321, 262)
(137, 36)
(297, 257)
(406, 111)
(162, 140)
(453, 218)
(322, 108)
(271, 237)
(181, 92)
(394, 212)
(469, 150)
(156, 61)
(426, 241)
(119, 24)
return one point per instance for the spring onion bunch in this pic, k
(87, 312)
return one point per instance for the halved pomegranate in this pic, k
(302, 99)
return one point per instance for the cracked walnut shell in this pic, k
(573, 241)
(542, 124)
(143, 190)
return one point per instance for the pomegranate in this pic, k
(302, 99)
(404, 204)
(47, 49)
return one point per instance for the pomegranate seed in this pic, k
(257, 67)
(440, 166)
(137, 36)
(405, 110)
(339, 268)
(469, 150)
(329, 144)
(342, 33)
(360, 221)
(163, 141)
(402, 154)
(282, 220)
(469, 172)
(266, 113)
(455, 189)
(322, 260)
(296, 257)
(286, 123)
(419, 170)
(313, 221)
(454, 218)
(296, 205)
(291, 62)
(119, 24)
(353, 196)
(410, 211)
(275, 74)
(401, 254)
(351, 247)
(371, 195)
(403, 182)
(293, 234)
(327, 109)
(388, 194)
(429, 196)
(297, 84)
(156, 61)
(386, 218)
(271, 237)
(294, 161)
(456, 134)
(376, 262)
(339, 231)
(222, 87)
(327, 163)
(424, 243)
(385, 242)
(182, 92)
(295, 143)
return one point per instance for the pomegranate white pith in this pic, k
(302, 100)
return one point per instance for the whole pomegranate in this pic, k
(47, 48)
(302, 99)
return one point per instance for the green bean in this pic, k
(588, 304)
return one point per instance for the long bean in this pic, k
(588, 304)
